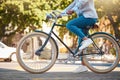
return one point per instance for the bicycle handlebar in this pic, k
(53, 15)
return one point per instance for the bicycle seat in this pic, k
(95, 26)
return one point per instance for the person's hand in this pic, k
(69, 12)
(59, 16)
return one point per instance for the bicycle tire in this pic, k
(26, 52)
(109, 60)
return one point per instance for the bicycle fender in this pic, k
(105, 34)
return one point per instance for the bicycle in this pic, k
(38, 51)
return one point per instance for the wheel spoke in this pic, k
(105, 61)
(27, 57)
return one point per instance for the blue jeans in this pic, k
(80, 26)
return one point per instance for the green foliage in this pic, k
(16, 15)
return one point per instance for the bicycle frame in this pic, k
(49, 35)
(73, 53)
(52, 32)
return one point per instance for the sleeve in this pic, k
(68, 8)
(79, 4)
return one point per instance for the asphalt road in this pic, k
(12, 71)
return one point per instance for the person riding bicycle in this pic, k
(86, 17)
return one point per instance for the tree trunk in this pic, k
(115, 26)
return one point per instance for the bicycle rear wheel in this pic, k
(106, 62)
(27, 47)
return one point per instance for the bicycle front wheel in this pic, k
(27, 47)
(107, 60)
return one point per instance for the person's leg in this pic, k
(77, 26)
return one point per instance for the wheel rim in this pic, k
(30, 61)
(102, 63)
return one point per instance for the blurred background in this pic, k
(19, 17)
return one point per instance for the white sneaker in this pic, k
(78, 53)
(85, 43)
(80, 69)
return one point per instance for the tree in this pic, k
(17, 15)
(13, 18)
(110, 9)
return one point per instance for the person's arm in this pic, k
(79, 3)
(68, 8)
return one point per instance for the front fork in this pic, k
(38, 51)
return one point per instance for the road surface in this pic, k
(12, 71)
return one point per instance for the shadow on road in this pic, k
(11, 74)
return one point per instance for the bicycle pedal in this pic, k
(37, 53)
